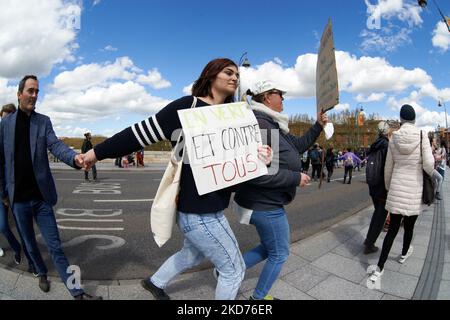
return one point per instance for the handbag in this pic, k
(429, 190)
(164, 207)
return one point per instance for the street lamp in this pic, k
(423, 4)
(446, 124)
(244, 63)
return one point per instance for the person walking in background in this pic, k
(87, 145)
(377, 189)
(27, 183)
(408, 156)
(316, 161)
(350, 160)
(329, 162)
(441, 161)
(261, 201)
(305, 162)
(207, 233)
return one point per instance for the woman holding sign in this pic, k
(200, 218)
(262, 200)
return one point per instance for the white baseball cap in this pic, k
(264, 86)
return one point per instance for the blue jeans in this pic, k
(4, 228)
(273, 230)
(206, 236)
(42, 212)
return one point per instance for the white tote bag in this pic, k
(164, 208)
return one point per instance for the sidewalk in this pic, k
(327, 266)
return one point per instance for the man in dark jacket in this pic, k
(87, 145)
(378, 191)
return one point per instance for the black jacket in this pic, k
(278, 188)
(379, 191)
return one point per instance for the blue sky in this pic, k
(105, 64)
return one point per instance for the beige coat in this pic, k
(403, 170)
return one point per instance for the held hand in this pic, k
(79, 160)
(304, 180)
(265, 154)
(322, 118)
(89, 159)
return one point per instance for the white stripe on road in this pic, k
(89, 228)
(103, 180)
(126, 200)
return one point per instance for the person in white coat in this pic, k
(403, 178)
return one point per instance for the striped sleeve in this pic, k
(157, 128)
(148, 132)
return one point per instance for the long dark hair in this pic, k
(202, 86)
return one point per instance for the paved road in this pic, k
(105, 226)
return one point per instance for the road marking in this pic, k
(103, 180)
(125, 200)
(89, 228)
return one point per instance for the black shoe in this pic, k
(349, 182)
(44, 284)
(267, 297)
(370, 249)
(85, 296)
(158, 293)
(17, 258)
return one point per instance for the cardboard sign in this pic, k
(221, 143)
(327, 90)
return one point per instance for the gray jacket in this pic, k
(277, 189)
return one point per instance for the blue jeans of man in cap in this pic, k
(42, 213)
(206, 236)
(273, 230)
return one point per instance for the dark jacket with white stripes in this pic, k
(273, 191)
(157, 128)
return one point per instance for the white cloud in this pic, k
(110, 48)
(188, 89)
(441, 37)
(342, 107)
(383, 32)
(24, 30)
(96, 2)
(8, 94)
(154, 79)
(371, 98)
(93, 74)
(425, 118)
(372, 76)
(98, 91)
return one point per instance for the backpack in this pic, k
(315, 157)
(375, 168)
(348, 162)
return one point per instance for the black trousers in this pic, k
(330, 170)
(377, 222)
(316, 168)
(348, 170)
(394, 226)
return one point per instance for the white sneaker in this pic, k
(403, 258)
(376, 276)
(2, 253)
